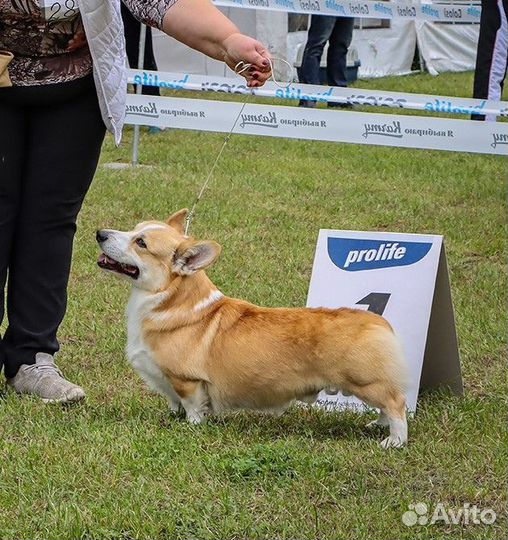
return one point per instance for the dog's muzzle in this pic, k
(107, 263)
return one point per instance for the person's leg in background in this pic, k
(321, 28)
(12, 143)
(340, 40)
(336, 62)
(61, 157)
(492, 54)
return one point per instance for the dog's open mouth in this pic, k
(107, 263)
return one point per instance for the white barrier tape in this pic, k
(354, 96)
(367, 9)
(320, 125)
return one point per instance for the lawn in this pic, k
(120, 466)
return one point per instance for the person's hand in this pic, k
(241, 48)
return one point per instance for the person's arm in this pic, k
(200, 25)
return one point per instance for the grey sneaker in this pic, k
(45, 380)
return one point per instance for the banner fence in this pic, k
(320, 94)
(367, 9)
(320, 124)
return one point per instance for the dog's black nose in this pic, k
(101, 236)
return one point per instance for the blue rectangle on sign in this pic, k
(352, 255)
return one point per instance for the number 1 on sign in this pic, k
(376, 302)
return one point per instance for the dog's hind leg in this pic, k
(395, 411)
(194, 398)
(392, 404)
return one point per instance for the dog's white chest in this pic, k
(138, 352)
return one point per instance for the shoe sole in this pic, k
(73, 398)
(78, 396)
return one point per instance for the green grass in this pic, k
(121, 467)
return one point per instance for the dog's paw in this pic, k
(393, 441)
(195, 417)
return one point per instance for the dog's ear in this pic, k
(191, 257)
(177, 220)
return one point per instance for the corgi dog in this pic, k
(208, 353)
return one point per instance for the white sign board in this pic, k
(404, 278)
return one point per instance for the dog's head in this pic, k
(155, 252)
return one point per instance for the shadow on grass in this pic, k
(297, 422)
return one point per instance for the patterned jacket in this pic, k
(56, 41)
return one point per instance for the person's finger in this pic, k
(261, 75)
(262, 50)
(258, 57)
(266, 64)
(253, 83)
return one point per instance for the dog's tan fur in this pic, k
(219, 353)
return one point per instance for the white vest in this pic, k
(103, 26)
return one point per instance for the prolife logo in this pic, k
(430, 11)
(333, 5)
(352, 254)
(382, 9)
(288, 4)
(474, 12)
(152, 79)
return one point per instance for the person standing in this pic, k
(132, 32)
(338, 32)
(492, 54)
(68, 84)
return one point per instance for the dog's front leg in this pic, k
(194, 399)
(175, 406)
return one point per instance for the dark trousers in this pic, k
(132, 30)
(339, 32)
(50, 140)
(491, 59)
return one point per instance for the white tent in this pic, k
(383, 47)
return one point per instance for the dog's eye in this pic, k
(141, 243)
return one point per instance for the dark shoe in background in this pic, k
(335, 105)
(154, 130)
